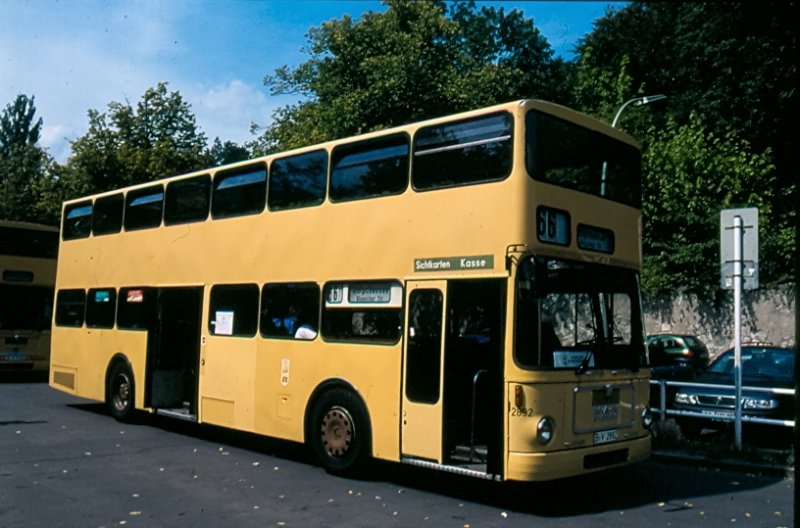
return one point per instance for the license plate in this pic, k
(604, 437)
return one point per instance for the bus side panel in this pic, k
(289, 371)
(228, 381)
(80, 358)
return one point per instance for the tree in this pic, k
(693, 174)
(17, 125)
(730, 65)
(24, 165)
(228, 152)
(128, 145)
(414, 61)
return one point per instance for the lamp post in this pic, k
(636, 101)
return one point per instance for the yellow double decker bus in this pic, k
(460, 294)
(27, 279)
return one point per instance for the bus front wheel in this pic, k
(339, 431)
(120, 392)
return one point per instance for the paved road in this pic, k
(65, 463)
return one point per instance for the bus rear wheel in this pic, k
(120, 392)
(340, 432)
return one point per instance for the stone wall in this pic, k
(767, 316)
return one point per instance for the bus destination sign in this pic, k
(454, 263)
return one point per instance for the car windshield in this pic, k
(765, 362)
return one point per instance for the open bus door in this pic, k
(174, 352)
(422, 413)
(452, 381)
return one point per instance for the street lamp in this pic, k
(636, 101)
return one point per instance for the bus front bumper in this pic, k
(552, 465)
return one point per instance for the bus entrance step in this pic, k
(179, 413)
(467, 454)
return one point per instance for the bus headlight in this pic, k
(544, 430)
(647, 418)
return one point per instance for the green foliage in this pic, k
(24, 165)
(228, 152)
(729, 69)
(416, 60)
(126, 146)
(17, 125)
(691, 175)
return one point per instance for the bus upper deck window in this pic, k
(298, 181)
(187, 200)
(108, 215)
(144, 207)
(239, 192)
(370, 168)
(77, 221)
(463, 152)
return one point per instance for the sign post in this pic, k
(739, 268)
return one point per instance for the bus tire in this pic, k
(339, 431)
(121, 392)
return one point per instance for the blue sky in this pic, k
(77, 55)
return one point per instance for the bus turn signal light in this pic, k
(519, 397)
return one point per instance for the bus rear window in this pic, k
(575, 157)
(370, 168)
(239, 192)
(465, 152)
(70, 305)
(144, 207)
(298, 181)
(77, 221)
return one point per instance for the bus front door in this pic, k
(174, 352)
(422, 411)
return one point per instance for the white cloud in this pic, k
(227, 110)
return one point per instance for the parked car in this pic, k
(677, 349)
(762, 366)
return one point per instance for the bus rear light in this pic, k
(519, 397)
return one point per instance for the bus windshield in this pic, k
(577, 316)
(25, 307)
(566, 154)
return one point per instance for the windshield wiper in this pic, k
(584, 366)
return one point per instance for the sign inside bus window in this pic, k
(595, 238)
(374, 294)
(102, 296)
(223, 323)
(135, 296)
(552, 226)
(371, 294)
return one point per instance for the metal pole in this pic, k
(737, 332)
